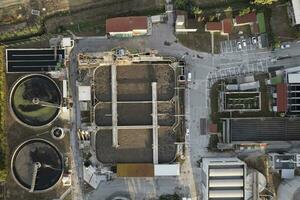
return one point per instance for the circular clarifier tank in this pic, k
(37, 165)
(35, 100)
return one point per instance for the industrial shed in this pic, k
(223, 178)
(260, 129)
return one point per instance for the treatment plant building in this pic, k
(223, 178)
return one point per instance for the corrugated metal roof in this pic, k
(226, 172)
(294, 78)
(226, 183)
(264, 129)
(125, 24)
(296, 7)
(226, 194)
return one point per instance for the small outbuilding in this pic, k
(84, 93)
(127, 26)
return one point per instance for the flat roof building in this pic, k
(285, 164)
(223, 178)
(127, 26)
(260, 129)
(294, 12)
(84, 93)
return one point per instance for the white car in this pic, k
(254, 40)
(239, 45)
(244, 43)
(285, 46)
(187, 132)
(189, 78)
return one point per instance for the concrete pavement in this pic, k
(77, 173)
(289, 189)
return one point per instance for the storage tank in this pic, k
(35, 100)
(37, 165)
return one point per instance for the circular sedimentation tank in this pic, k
(57, 133)
(35, 100)
(37, 165)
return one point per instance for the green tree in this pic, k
(244, 11)
(181, 4)
(213, 143)
(197, 12)
(3, 143)
(264, 2)
(169, 197)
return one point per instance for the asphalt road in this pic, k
(77, 163)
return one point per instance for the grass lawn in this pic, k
(261, 22)
(200, 40)
(280, 24)
(3, 141)
(218, 3)
(92, 21)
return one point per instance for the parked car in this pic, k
(285, 46)
(189, 78)
(254, 40)
(166, 43)
(239, 45)
(198, 56)
(244, 43)
(187, 132)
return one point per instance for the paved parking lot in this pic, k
(239, 45)
(238, 70)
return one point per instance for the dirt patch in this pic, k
(103, 114)
(88, 16)
(166, 146)
(134, 82)
(135, 146)
(166, 112)
(280, 24)
(200, 40)
(103, 83)
(134, 114)
(134, 95)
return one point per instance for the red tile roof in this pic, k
(281, 97)
(213, 26)
(227, 25)
(248, 18)
(124, 24)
